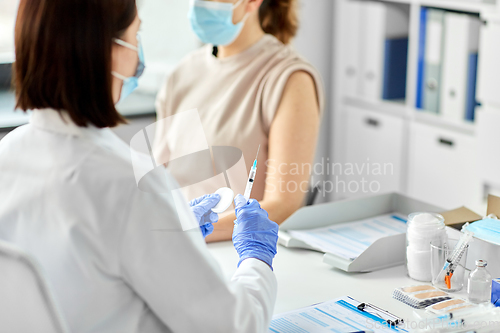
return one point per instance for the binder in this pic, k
(433, 55)
(352, 53)
(382, 24)
(461, 39)
(373, 20)
(394, 80)
(395, 51)
(421, 58)
(470, 106)
(471, 88)
(385, 252)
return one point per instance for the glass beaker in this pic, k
(439, 253)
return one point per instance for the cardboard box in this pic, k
(495, 292)
(478, 248)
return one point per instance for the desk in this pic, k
(303, 279)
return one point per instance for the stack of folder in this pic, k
(447, 63)
(376, 50)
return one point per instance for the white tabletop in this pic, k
(303, 279)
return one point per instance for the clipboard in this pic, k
(344, 314)
(385, 252)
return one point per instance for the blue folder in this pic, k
(421, 58)
(395, 64)
(471, 102)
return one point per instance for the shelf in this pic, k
(393, 108)
(463, 5)
(137, 105)
(399, 109)
(8, 117)
(433, 119)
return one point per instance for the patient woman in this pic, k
(250, 88)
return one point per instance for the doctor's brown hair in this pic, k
(63, 56)
(279, 18)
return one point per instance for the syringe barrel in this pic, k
(251, 178)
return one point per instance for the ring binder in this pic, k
(393, 321)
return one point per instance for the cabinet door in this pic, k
(372, 154)
(488, 65)
(488, 137)
(443, 167)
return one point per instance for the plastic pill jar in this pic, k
(423, 228)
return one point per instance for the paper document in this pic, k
(340, 315)
(349, 240)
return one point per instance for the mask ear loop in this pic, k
(245, 18)
(119, 76)
(129, 46)
(125, 44)
(237, 4)
(246, 15)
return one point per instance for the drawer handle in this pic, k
(372, 122)
(446, 142)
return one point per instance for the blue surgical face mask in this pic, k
(487, 229)
(213, 23)
(130, 83)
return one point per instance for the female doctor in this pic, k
(115, 258)
(251, 88)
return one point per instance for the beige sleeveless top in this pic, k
(235, 99)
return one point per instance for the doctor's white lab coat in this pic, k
(115, 257)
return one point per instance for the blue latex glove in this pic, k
(254, 234)
(202, 210)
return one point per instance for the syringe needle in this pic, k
(258, 149)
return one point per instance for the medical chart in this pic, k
(349, 240)
(339, 315)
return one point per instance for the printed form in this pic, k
(340, 316)
(349, 240)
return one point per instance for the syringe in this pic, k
(251, 177)
(454, 258)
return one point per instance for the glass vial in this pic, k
(480, 283)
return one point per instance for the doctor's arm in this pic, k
(172, 271)
(292, 142)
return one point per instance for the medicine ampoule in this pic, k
(479, 289)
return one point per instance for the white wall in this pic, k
(166, 37)
(314, 41)
(8, 10)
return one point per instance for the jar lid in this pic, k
(425, 220)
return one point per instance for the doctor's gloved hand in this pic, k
(254, 234)
(202, 210)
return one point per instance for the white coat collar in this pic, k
(59, 122)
